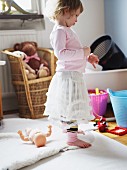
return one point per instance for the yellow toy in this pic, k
(35, 136)
(97, 91)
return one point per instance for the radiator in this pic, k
(7, 39)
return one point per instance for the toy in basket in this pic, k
(36, 66)
(31, 94)
(119, 104)
(98, 99)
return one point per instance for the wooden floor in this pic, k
(111, 125)
(122, 139)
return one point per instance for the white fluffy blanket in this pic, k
(15, 153)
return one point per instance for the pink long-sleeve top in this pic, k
(68, 49)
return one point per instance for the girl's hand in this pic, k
(93, 59)
(87, 51)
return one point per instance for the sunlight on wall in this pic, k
(24, 4)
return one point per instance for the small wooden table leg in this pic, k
(1, 110)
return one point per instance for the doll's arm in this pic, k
(22, 136)
(49, 131)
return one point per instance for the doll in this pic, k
(35, 136)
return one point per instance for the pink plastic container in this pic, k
(98, 102)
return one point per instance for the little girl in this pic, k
(67, 97)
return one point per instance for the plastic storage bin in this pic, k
(98, 102)
(119, 104)
(110, 55)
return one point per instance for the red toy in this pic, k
(102, 125)
(118, 131)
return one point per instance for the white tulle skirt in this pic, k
(67, 99)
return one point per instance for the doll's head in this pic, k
(36, 136)
(20, 54)
(39, 139)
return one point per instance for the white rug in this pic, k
(15, 153)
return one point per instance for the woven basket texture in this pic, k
(31, 94)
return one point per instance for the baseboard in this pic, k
(9, 102)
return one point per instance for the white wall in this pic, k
(90, 24)
(89, 27)
(116, 22)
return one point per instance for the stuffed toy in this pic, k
(31, 74)
(38, 64)
(35, 136)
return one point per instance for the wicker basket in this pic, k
(31, 94)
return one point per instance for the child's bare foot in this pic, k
(80, 143)
(74, 141)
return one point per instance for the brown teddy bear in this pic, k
(29, 71)
(39, 66)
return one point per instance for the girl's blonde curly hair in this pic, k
(56, 7)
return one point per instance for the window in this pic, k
(25, 4)
(28, 5)
(32, 19)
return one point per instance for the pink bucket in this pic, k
(98, 102)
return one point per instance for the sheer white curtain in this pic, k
(38, 5)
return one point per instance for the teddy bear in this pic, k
(38, 65)
(35, 136)
(29, 71)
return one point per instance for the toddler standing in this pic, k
(67, 98)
